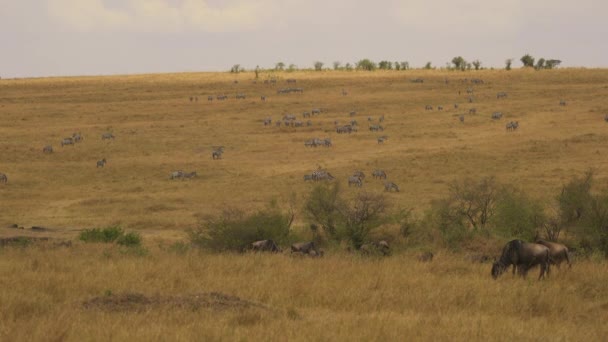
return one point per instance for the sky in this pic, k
(40, 38)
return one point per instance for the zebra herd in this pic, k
(290, 90)
(315, 142)
(356, 179)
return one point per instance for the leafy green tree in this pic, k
(365, 213)
(292, 68)
(385, 65)
(428, 66)
(323, 207)
(280, 66)
(459, 63)
(477, 64)
(527, 61)
(318, 66)
(540, 64)
(366, 64)
(552, 63)
(508, 63)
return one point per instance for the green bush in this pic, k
(129, 239)
(106, 235)
(233, 230)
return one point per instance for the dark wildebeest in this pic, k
(523, 256)
(3, 178)
(305, 248)
(381, 247)
(264, 246)
(557, 252)
(426, 257)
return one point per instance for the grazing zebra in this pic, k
(3, 178)
(221, 97)
(500, 95)
(380, 174)
(344, 129)
(428, 107)
(176, 174)
(318, 175)
(461, 118)
(417, 80)
(512, 126)
(101, 163)
(190, 175)
(496, 115)
(67, 141)
(473, 111)
(353, 122)
(359, 174)
(107, 136)
(47, 149)
(390, 186)
(217, 154)
(306, 114)
(562, 102)
(315, 111)
(298, 124)
(376, 128)
(470, 91)
(327, 142)
(209, 98)
(354, 180)
(289, 117)
(352, 113)
(381, 140)
(439, 107)
(77, 137)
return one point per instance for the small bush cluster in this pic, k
(110, 235)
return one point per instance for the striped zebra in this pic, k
(439, 107)
(327, 142)
(77, 137)
(3, 178)
(390, 186)
(67, 141)
(359, 174)
(318, 175)
(289, 117)
(376, 128)
(380, 174)
(221, 97)
(107, 136)
(217, 154)
(291, 80)
(47, 149)
(101, 163)
(501, 95)
(344, 129)
(190, 175)
(496, 115)
(241, 96)
(353, 123)
(176, 174)
(512, 126)
(356, 181)
(315, 111)
(306, 114)
(381, 140)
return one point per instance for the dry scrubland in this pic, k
(101, 292)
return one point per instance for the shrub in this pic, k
(366, 64)
(318, 66)
(527, 61)
(323, 208)
(129, 239)
(517, 215)
(106, 235)
(365, 213)
(233, 230)
(508, 63)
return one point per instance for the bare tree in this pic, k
(475, 200)
(363, 215)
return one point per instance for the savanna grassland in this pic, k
(104, 292)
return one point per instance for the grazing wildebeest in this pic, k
(47, 149)
(3, 178)
(107, 136)
(264, 246)
(101, 163)
(354, 180)
(390, 186)
(380, 174)
(304, 247)
(523, 256)
(557, 252)
(67, 141)
(425, 257)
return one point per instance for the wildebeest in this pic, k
(107, 136)
(428, 107)
(3, 178)
(67, 141)
(304, 247)
(425, 257)
(264, 246)
(523, 256)
(558, 252)
(47, 149)
(101, 163)
(390, 186)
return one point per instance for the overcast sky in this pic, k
(99, 37)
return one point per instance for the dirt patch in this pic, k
(140, 302)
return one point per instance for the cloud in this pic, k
(158, 15)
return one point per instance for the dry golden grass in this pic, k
(340, 297)
(336, 298)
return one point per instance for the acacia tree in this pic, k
(366, 64)
(280, 66)
(527, 61)
(337, 65)
(323, 207)
(477, 64)
(508, 63)
(362, 215)
(474, 200)
(318, 66)
(459, 63)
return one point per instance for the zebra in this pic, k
(289, 117)
(315, 111)
(77, 137)
(47, 149)
(354, 180)
(500, 95)
(439, 107)
(428, 107)
(190, 175)
(107, 136)
(176, 174)
(67, 141)
(359, 174)
(470, 99)
(306, 114)
(298, 124)
(381, 140)
(209, 98)
(267, 121)
(221, 97)
(327, 142)
(370, 119)
(321, 175)
(496, 115)
(470, 91)
(101, 163)
(3, 178)
(417, 80)
(291, 80)
(376, 128)
(390, 186)
(380, 174)
(511, 126)
(241, 96)
(562, 102)
(461, 118)
(473, 111)
(344, 129)
(353, 123)
(217, 154)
